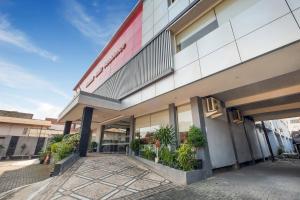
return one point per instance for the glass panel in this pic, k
(146, 125)
(159, 119)
(185, 120)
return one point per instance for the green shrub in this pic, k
(166, 135)
(195, 137)
(168, 157)
(62, 150)
(93, 145)
(148, 152)
(54, 147)
(56, 138)
(185, 157)
(135, 145)
(72, 139)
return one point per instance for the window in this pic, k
(196, 30)
(185, 120)
(147, 125)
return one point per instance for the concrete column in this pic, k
(249, 143)
(173, 123)
(85, 130)
(102, 129)
(131, 134)
(98, 136)
(237, 164)
(268, 140)
(199, 121)
(67, 127)
(260, 146)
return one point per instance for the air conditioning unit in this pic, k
(213, 108)
(237, 117)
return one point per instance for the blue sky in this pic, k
(46, 46)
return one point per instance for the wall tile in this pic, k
(219, 60)
(147, 9)
(147, 37)
(270, 37)
(258, 15)
(176, 8)
(216, 39)
(132, 100)
(187, 74)
(164, 85)
(186, 56)
(148, 92)
(294, 4)
(160, 11)
(297, 15)
(161, 24)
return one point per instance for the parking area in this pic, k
(14, 174)
(276, 181)
(118, 177)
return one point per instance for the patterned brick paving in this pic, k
(263, 181)
(23, 176)
(106, 177)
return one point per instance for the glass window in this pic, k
(146, 125)
(185, 120)
(196, 30)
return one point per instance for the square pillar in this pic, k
(249, 143)
(85, 130)
(173, 122)
(67, 127)
(131, 133)
(237, 164)
(268, 140)
(199, 121)
(102, 129)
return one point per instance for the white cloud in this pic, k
(85, 24)
(17, 77)
(40, 109)
(13, 36)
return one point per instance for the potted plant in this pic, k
(197, 141)
(93, 146)
(135, 146)
(164, 138)
(186, 157)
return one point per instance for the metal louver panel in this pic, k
(153, 62)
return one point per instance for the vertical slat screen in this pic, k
(152, 62)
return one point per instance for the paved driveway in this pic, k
(118, 177)
(106, 177)
(268, 181)
(14, 174)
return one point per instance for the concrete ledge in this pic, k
(61, 166)
(177, 176)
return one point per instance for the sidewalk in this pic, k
(19, 173)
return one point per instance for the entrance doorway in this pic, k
(116, 137)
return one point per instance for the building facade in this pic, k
(23, 137)
(220, 65)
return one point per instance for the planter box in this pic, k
(177, 176)
(61, 166)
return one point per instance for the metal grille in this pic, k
(152, 63)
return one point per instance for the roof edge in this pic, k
(113, 39)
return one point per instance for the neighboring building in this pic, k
(293, 124)
(22, 136)
(279, 135)
(169, 58)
